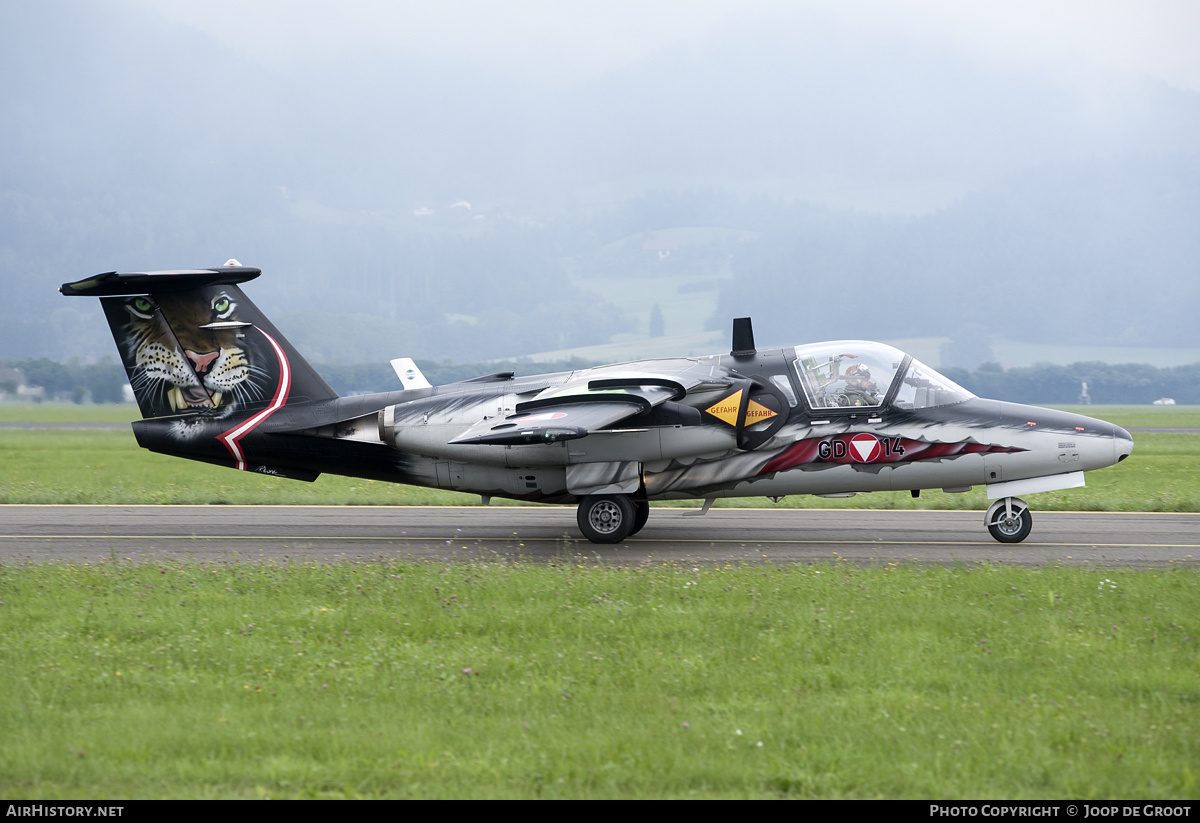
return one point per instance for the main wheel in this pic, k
(1009, 520)
(606, 518)
(641, 513)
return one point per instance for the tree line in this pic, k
(73, 381)
(1129, 383)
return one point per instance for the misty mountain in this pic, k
(1099, 253)
(878, 188)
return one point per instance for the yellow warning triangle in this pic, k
(727, 410)
(757, 413)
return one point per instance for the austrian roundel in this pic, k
(865, 448)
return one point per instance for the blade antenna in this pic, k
(743, 337)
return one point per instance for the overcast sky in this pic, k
(566, 40)
(927, 136)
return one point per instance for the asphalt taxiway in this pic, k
(78, 534)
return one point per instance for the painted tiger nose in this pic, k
(201, 361)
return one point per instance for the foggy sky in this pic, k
(561, 41)
(1047, 143)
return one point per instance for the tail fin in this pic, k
(193, 344)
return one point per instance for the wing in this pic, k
(573, 411)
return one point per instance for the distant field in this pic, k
(576, 679)
(1127, 416)
(69, 413)
(64, 466)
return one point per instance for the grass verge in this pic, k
(400, 679)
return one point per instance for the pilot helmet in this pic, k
(858, 374)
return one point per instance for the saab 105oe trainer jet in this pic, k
(217, 382)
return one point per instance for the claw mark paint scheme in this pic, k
(217, 382)
(871, 448)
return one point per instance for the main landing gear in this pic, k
(1009, 520)
(610, 518)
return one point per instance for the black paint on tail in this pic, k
(194, 345)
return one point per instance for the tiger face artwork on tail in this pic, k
(187, 353)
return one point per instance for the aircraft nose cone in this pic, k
(1122, 444)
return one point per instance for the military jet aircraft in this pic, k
(217, 382)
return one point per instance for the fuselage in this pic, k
(930, 436)
(908, 429)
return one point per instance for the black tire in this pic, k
(641, 513)
(606, 518)
(1011, 522)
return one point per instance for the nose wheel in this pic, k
(1009, 520)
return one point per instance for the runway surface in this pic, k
(77, 534)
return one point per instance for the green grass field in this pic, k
(393, 679)
(69, 413)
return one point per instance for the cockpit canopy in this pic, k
(848, 374)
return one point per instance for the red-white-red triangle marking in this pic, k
(865, 446)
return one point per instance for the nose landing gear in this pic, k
(1009, 520)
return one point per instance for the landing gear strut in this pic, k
(1009, 520)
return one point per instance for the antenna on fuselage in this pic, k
(743, 337)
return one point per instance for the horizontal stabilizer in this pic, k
(127, 284)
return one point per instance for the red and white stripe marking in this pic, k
(231, 437)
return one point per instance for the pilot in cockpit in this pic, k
(860, 389)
